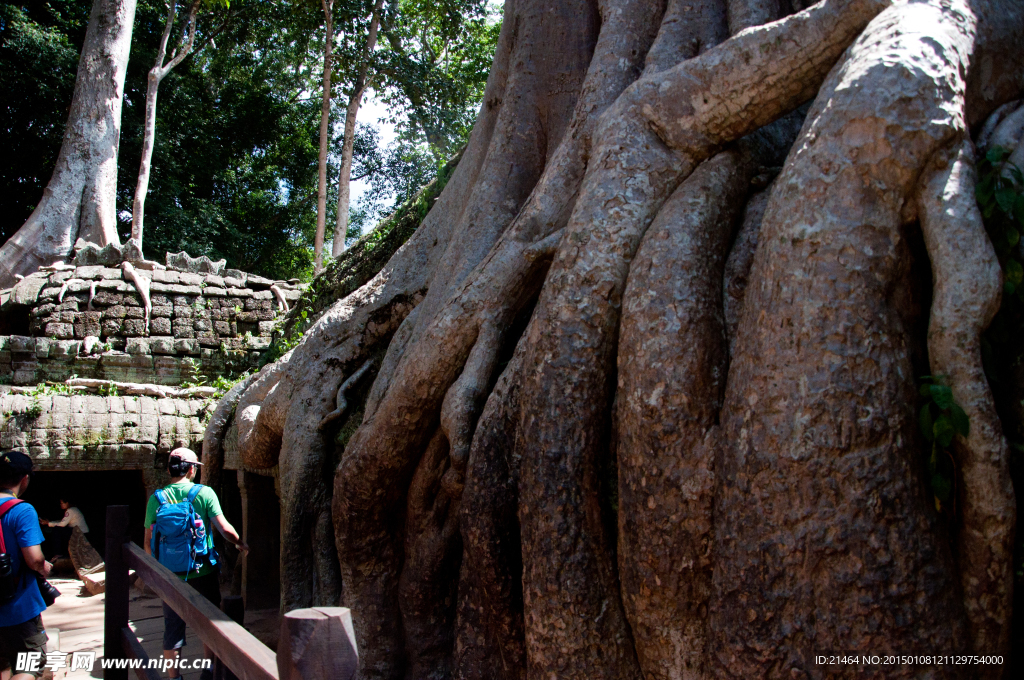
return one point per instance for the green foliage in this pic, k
(1000, 196)
(360, 263)
(35, 408)
(107, 390)
(285, 338)
(221, 383)
(436, 63)
(941, 418)
(234, 165)
(49, 389)
(431, 68)
(234, 168)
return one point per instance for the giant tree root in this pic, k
(653, 132)
(213, 437)
(672, 368)
(968, 282)
(384, 451)
(142, 285)
(822, 531)
(259, 439)
(818, 516)
(432, 554)
(490, 643)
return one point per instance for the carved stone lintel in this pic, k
(110, 255)
(183, 262)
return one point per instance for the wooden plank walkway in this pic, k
(79, 619)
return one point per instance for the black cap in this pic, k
(14, 464)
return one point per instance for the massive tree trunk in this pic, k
(591, 448)
(79, 201)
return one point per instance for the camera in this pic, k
(8, 582)
(46, 589)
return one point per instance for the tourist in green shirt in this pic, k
(181, 466)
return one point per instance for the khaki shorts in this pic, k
(24, 637)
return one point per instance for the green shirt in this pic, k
(206, 504)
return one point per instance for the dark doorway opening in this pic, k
(15, 319)
(261, 526)
(91, 492)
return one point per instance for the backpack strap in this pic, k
(161, 497)
(194, 491)
(4, 507)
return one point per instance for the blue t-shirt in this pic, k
(21, 530)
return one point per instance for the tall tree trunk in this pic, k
(611, 437)
(345, 175)
(80, 200)
(156, 75)
(325, 140)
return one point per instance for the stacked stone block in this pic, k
(160, 361)
(211, 309)
(200, 324)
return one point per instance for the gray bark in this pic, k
(325, 139)
(348, 141)
(156, 75)
(770, 501)
(79, 201)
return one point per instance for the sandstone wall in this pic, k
(89, 432)
(160, 361)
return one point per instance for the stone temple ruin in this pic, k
(110, 362)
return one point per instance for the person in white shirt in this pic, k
(73, 517)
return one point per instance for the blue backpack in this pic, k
(179, 535)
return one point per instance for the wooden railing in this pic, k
(315, 644)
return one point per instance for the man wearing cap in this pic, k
(21, 626)
(181, 466)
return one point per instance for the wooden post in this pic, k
(115, 610)
(317, 644)
(233, 606)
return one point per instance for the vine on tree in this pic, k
(1000, 196)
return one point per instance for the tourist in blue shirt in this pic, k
(21, 626)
